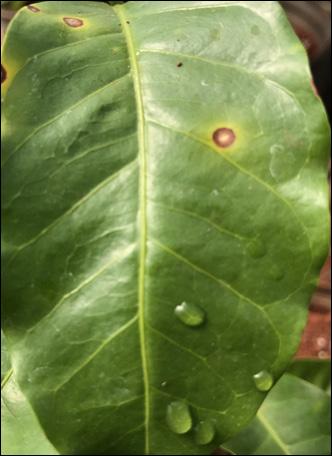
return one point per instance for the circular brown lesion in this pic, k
(223, 137)
(73, 21)
(3, 74)
(33, 9)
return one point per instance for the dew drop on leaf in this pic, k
(256, 248)
(223, 137)
(178, 417)
(190, 314)
(204, 432)
(263, 380)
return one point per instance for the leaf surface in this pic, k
(21, 433)
(156, 153)
(316, 371)
(294, 419)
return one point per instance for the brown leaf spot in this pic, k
(223, 137)
(180, 64)
(127, 22)
(73, 22)
(3, 74)
(33, 9)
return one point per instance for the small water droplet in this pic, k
(263, 380)
(178, 417)
(204, 83)
(256, 248)
(276, 273)
(223, 137)
(190, 314)
(204, 432)
(164, 384)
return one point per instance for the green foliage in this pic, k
(156, 154)
(316, 371)
(294, 419)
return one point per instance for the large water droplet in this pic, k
(263, 380)
(276, 273)
(190, 314)
(204, 432)
(178, 417)
(256, 248)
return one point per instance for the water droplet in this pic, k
(190, 314)
(204, 432)
(276, 273)
(223, 137)
(73, 22)
(256, 248)
(263, 380)
(163, 384)
(178, 417)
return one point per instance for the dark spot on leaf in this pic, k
(127, 22)
(73, 21)
(223, 137)
(3, 74)
(33, 9)
(179, 64)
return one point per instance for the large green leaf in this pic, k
(294, 419)
(124, 196)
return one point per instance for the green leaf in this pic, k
(21, 433)
(5, 359)
(156, 154)
(294, 419)
(316, 371)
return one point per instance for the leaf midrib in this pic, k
(142, 216)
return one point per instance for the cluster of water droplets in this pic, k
(178, 414)
(179, 420)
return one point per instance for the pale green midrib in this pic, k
(120, 10)
(272, 432)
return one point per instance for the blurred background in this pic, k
(312, 23)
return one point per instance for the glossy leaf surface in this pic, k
(156, 153)
(294, 419)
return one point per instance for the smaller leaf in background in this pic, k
(316, 371)
(294, 419)
(21, 433)
(5, 360)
